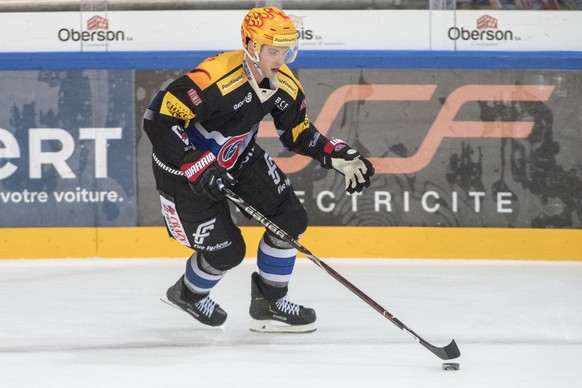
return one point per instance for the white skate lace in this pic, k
(287, 307)
(206, 306)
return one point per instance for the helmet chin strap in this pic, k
(255, 60)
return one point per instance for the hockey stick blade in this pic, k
(448, 352)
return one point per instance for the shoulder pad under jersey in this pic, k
(215, 68)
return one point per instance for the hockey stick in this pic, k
(448, 352)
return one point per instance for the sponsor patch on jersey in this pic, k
(281, 104)
(248, 98)
(171, 106)
(194, 97)
(231, 82)
(173, 221)
(287, 84)
(178, 130)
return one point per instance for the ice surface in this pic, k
(99, 323)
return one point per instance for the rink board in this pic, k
(334, 242)
(112, 64)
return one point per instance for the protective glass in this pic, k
(291, 54)
(285, 54)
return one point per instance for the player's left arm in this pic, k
(299, 135)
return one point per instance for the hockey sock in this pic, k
(275, 260)
(200, 277)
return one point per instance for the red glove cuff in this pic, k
(193, 170)
(334, 145)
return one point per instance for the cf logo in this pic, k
(272, 169)
(203, 231)
(445, 124)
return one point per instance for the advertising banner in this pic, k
(203, 30)
(67, 149)
(318, 30)
(471, 148)
(486, 30)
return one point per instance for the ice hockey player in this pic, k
(203, 128)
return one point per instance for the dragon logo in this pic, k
(230, 151)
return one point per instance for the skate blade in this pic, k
(170, 303)
(271, 326)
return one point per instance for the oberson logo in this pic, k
(486, 31)
(68, 34)
(97, 31)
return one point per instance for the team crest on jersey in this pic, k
(229, 152)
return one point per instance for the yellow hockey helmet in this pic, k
(270, 26)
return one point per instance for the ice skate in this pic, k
(205, 310)
(280, 316)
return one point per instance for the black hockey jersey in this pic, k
(217, 107)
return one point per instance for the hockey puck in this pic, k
(450, 366)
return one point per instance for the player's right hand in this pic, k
(203, 172)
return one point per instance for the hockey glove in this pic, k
(202, 171)
(356, 169)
